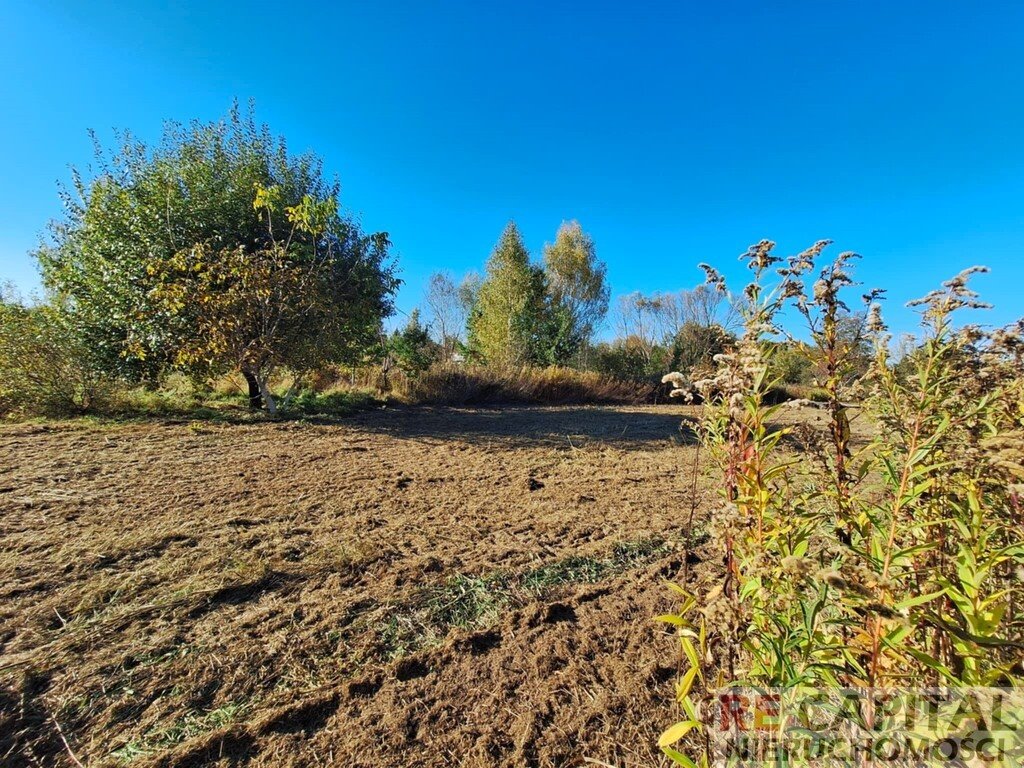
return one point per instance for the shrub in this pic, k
(42, 366)
(411, 348)
(174, 395)
(630, 359)
(336, 402)
(790, 364)
(893, 565)
(696, 345)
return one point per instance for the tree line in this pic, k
(521, 313)
(218, 250)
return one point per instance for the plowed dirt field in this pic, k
(405, 587)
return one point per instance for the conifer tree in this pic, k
(507, 317)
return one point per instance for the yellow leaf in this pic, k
(686, 683)
(690, 651)
(676, 732)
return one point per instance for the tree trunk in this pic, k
(255, 395)
(268, 398)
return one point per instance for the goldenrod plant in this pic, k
(893, 562)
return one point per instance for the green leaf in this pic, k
(912, 602)
(678, 757)
(676, 588)
(932, 663)
(690, 651)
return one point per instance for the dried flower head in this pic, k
(957, 295)
(676, 379)
(713, 278)
(797, 566)
(874, 322)
(759, 257)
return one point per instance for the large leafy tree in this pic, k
(304, 298)
(217, 248)
(509, 314)
(577, 289)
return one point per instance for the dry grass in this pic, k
(477, 385)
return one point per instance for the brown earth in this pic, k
(415, 587)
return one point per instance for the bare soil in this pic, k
(414, 587)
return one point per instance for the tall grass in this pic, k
(467, 385)
(458, 384)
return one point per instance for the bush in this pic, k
(411, 348)
(42, 368)
(696, 345)
(791, 364)
(630, 359)
(175, 395)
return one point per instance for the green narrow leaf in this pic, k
(911, 602)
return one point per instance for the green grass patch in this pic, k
(192, 724)
(588, 570)
(336, 403)
(475, 602)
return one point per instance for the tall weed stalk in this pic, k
(892, 562)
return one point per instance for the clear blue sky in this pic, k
(676, 133)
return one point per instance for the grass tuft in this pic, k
(476, 602)
(192, 724)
